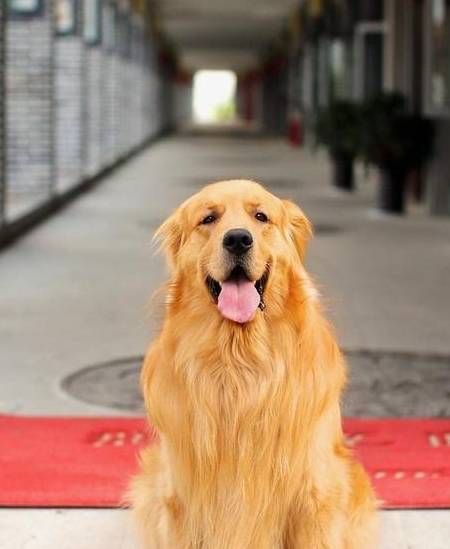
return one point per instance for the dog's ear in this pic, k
(171, 237)
(299, 227)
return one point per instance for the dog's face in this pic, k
(236, 240)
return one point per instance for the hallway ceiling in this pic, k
(222, 33)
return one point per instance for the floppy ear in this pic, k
(171, 237)
(300, 229)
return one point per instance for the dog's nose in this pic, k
(238, 241)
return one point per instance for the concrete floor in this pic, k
(113, 529)
(75, 293)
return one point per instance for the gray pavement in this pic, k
(75, 293)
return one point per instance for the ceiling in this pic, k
(222, 34)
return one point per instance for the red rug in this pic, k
(87, 462)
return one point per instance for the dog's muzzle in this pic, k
(237, 297)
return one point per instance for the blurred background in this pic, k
(340, 105)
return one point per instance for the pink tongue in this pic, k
(238, 300)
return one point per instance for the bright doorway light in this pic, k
(214, 96)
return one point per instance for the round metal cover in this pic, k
(397, 384)
(112, 384)
(380, 384)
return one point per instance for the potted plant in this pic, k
(337, 127)
(397, 143)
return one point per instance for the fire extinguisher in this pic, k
(295, 129)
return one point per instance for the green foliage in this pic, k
(338, 127)
(224, 112)
(379, 130)
(392, 137)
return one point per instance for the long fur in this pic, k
(251, 452)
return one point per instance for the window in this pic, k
(91, 22)
(438, 57)
(65, 16)
(25, 7)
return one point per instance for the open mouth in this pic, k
(238, 297)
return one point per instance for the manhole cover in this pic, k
(397, 384)
(380, 385)
(112, 384)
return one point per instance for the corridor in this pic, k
(112, 112)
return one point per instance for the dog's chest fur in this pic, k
(235, 397)
(239, 440)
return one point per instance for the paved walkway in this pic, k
(74, 294)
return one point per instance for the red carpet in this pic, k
(86, 462)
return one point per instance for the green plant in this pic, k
(391, 137)
(338, 127)
(224, 112)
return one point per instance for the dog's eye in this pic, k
(208, 219)
(260, 216)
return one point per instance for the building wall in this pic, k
(183, 103)
(399, 47)
(93, 109)
(438, 178)
(407, 57)
(69, 75)
(438, 172)
(108, 72)
(2, 114)
(73, 106)
(28, 109)
(108, 143)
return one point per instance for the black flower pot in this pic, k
(391, 190)
(342, 170)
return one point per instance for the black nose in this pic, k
(238, 241)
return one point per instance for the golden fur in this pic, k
(251, 452)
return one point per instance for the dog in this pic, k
(243, 386)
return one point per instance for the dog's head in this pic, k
(238, 243)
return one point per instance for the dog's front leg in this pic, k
(319, 528)
(331, 528)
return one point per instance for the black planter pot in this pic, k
(391, 190)
(343, 170)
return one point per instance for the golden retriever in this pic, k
(243, 386)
